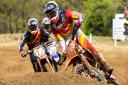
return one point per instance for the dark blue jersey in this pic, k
(32, 41)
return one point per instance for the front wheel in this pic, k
(80, 69)
(36, 66)
(49, 65)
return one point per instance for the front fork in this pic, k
(86, 63)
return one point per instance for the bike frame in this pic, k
(76, 53)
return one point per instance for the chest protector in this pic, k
(64, 25)
(35, 41)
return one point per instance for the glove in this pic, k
(23, 53)
(49, 39)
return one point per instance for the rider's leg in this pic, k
(84, 42)
(61, 47)
(52, 51)
(63, 44)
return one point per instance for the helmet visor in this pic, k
(32, 28)
(52, 14)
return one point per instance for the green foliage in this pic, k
(98, 14)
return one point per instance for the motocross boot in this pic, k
(104, 64)
(62, 59)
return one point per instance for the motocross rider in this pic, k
(46, 24)
(65, 24)
(53, 49)
(34, 36)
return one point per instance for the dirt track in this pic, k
(15, 70)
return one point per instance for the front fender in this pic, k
(69, 60)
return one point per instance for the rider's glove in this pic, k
(23, 53)
(49, 39)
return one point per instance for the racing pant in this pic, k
(84, 42)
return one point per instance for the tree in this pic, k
(98, 14)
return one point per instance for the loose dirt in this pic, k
(15, 70)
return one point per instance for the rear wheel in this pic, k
(80, 69)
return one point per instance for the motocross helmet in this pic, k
(51, 9)
(33, 26)
(45, 22)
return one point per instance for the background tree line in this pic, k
(98, 14)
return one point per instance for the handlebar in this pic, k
(38, 46)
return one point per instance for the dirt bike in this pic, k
(85, 64)
(43, 54)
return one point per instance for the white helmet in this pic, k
(45, 21)
(51, 9)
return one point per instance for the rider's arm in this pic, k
(45, 33)
(46, 36)
(75, 16)
(22, 43)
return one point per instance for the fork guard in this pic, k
(86, 63)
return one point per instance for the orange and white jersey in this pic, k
(64, 27)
